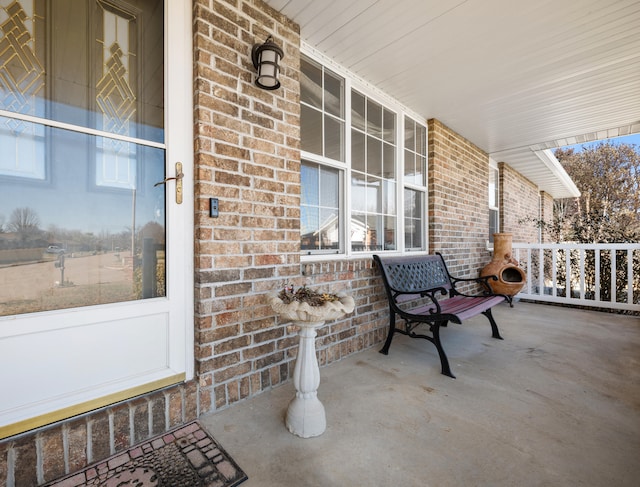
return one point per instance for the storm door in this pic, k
(94, 204)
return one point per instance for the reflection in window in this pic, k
(63, 244)
(368, 207)
(66, 245)
(413, 219)
(22, 83)
(320, 217)
(322, 115)
(415, 181)
(373, 175)
(116, 99)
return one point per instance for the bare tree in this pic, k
(609, 209)
(25, 222)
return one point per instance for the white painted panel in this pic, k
(50, 370)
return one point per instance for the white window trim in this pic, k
(353, 82)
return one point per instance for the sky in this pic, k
(627, 139)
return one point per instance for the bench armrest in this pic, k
(431, 294)
(483, 281)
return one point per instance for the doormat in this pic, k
(185, 457)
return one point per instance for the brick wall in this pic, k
(458, 200)
(247, 156)
(519, 205)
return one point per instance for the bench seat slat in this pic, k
(464, 307)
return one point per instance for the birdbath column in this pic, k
(305, 415)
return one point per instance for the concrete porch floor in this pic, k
(556, 403)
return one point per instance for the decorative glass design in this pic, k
(22, 82)
(116, 160)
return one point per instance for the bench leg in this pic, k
(494, 326)
(444, 361)
(392, 330)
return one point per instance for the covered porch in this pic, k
(556, 403)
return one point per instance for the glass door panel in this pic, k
(82, 132)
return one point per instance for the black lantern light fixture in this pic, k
(265, 59)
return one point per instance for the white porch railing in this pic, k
(597, 275)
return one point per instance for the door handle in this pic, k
(178, 179)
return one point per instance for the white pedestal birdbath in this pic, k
(305, 414)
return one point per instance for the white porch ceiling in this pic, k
(511, 76)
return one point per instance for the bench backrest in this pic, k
(413, 274)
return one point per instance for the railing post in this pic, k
(613, 275)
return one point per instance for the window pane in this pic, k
(374, 156)
(421, 170)
(309, 228)
(358, 191)
(409, 134)
(310, 83)
(329, 187)
(23, 150)
(311, 130)
(357, 151)
(329, 229)
(333, 138)
(421, 139)
(390, 233)
(333, 95)
(374, 233)
(310, 184)
(413, 220)
(389, 126)
(374, 118)
(389, 161)
(358, 232)
(409, 167)
(319, 211)
(374, 195)
(357, 110)
(389, 203)
(494, 226)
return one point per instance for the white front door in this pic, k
(96, 260)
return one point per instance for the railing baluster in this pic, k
(630, 276)
(613, 276)
(597, 278)
(554, 273)
(567, 273)
(529, 267)
(541, 271)
(581, 266)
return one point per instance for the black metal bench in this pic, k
(409, 280)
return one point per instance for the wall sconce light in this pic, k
(265, 59)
